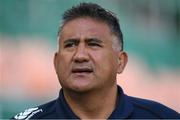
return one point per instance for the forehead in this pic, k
(85, 27)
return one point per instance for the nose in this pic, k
(81, 54)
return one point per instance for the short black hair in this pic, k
(94, 11)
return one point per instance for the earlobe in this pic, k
(122, 61)
(55, 61)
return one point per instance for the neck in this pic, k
(96, 104)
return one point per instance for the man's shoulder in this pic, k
(37, 112)
(149, 107)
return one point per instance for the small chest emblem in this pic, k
(27, 113)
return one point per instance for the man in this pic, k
(89, 57)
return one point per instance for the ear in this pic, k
(55, 61)
(122, 61)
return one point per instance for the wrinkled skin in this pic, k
(86, 59)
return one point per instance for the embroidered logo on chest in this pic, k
(27, 113)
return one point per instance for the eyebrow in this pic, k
(71, 40)
(76, 40)
(93, 40)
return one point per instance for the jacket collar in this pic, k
(123, 109)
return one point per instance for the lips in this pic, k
(82, 70)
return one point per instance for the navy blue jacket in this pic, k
(127, 107)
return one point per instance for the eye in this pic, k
(70, 44)
(94, 44)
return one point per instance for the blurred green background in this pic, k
(151, 30)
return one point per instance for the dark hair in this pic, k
(94, 11)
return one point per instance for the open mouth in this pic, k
(82, 70)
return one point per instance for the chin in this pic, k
(79, 85)
(81, 88)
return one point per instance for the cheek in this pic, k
(105, 62)
(63, 65)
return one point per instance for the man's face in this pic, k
(86, 59)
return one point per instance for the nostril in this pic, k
(80, 60)
(81, 52)
(80, 57)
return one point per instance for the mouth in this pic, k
(82, 70)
